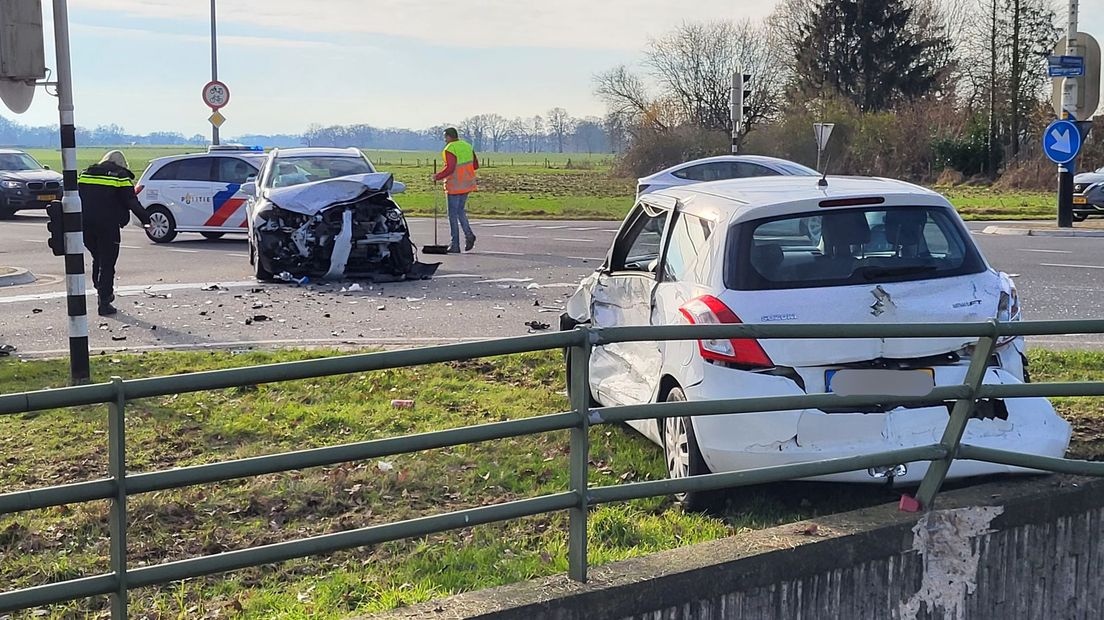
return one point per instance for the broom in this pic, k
(435, 248)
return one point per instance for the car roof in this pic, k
(318, 150)
(248, 155)
(733, 197)
(12, 151)
(752, 159)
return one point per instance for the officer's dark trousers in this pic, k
(103, 245)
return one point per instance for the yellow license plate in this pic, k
(47, 197)
(1080, 200)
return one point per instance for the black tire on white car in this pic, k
(259, 271)
(683, 457)
(162, 225)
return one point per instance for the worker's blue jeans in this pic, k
(458, 217)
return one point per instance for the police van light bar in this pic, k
(234, 147)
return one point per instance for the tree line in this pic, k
(917, 88)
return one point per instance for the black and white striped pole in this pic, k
(75, 290)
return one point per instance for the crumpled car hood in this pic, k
(310, 198)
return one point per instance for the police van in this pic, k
(199, 192)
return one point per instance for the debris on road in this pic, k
(36, 310)
(154, 295)
(214, 287)
(6, 350)
(402, 404)
(536, 326)
(118, 338)
(352, 288)
(412, 299)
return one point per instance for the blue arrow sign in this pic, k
(1062, 141)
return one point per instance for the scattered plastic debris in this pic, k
(422, 298)
(284, 276)
(402, 404)
(352, 288)
(257, 318)
(214, 287)
(118, 338)
(36, 310)
(385, 465)
(537, 326)
(150, 293)
(6, 350)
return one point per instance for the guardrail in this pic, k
(576, 499)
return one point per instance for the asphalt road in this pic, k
(521, 271)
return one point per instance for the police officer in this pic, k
(107, 200)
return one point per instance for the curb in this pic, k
(17, 277)
(1036, 232)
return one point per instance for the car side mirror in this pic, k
(249, 188)
(398, 187)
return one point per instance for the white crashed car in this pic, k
(883, 251)
(326, 212)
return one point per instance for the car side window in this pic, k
(743, 170)
(234, 170)
(192, 169)
(713, 171)
(168, 172)
(688, 238)
(638, 247)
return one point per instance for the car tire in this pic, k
(6, 212)
(213, 236)
(683, 457)
(259, 271)
(162, 226)
(1080, 217)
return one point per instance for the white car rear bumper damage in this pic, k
(752, 440)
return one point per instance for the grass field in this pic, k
(564, 185)
(66, 446)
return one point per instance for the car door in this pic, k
(188, 191)
(627, 372)
(228, 203)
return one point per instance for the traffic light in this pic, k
(56, 226)
(745, 96)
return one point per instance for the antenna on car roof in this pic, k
(823, 182)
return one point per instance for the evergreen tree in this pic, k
(867, 51)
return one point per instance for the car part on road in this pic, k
(162, 226)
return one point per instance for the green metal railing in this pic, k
(577, 499)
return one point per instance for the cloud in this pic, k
(224, 40)
(564, 24)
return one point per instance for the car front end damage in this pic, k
(343, 227)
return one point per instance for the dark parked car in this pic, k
(25, 183)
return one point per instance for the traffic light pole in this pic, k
(214, 68)
(76, 302)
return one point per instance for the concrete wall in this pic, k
(1026, 548)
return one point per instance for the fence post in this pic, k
(960, 415)
(116, 437)
(579, 458)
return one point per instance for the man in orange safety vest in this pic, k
(459, 177)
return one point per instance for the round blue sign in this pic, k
(1062, 141)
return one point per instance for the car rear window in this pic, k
(842, 247)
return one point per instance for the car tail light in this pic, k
(708, 310)
(138, 189)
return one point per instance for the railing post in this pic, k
(116, 437)
(956, 424)
(579, 381)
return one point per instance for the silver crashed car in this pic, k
(327, 212)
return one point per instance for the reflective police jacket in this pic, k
(107, 196)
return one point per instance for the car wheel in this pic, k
(162, 225)
(684, 459)
(259, 271)
(1080, 217)
(212, 235)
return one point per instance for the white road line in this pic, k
(577, 240)
(185, 251)
(523, 225)
(610, 230)
(510, 236)
(584, 228)
(552, 227)
(500, 253)
(131, 247)
(456, 275)
(583, 258)
(237, 255)
(1074, 266)
(1048, 251)
(38, 225)
(34, 241)
(134, 290)
(495, 225)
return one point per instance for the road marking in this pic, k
(1048, 251)
(131, 247)
(495, 225)
(577, 240)
(1074, 266)
(500, 253)
(506, 280)
(185, 251)
(251, 344)
(133, 290)
(585, 228)
(523, 225)
(34, 241)
(610, 230)
(237, 255)
(456, 275)
(38, 225)
(584, 258)
(552, 227)
(510, 236)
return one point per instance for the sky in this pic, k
(390, 63)
(393, 63)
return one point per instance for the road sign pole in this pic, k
(214, 68)
(76, 302)
(1069, 104)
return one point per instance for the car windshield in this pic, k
(291, 171)
(18, 161)
(850, 247)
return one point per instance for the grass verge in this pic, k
(65, 446)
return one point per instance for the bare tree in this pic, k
(534, 132)
(625, 96)
(498, 127)
(476, 129)
(560, 124)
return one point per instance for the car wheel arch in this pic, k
(666, 384)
